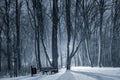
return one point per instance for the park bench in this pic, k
(46, 70)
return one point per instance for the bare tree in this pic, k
(68, 25)
(0, 44)
(18, 8)
(115, 35)
(7, 23)
(54, 34)
(101, 4)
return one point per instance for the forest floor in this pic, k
(76, 73)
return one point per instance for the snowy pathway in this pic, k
(77, 73)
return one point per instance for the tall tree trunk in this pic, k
(60, 53)
(0, 49)
(68, 25)
(54, 34)
(101, 11)
(8, 33)
(35, 31)
(35, 44)
(61, 58)
(37, 24)
(15, 66)
(38, 13)
(100, 44)
(18, 34)
(38, 49)
(60, 39)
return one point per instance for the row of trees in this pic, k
(10, 34)
(58, 33)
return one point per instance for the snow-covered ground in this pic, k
(77, 73)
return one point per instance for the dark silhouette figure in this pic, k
(33, 70)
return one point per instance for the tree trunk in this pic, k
(68, 63)
(0, 49)
(101, 11)
(87, 51)
(75, 60)
(7, 34)
(39, 19)
(61, 59)
(18, 35)
(54, 34)
(100, 46)
(68, 25)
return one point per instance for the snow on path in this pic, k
(77, 73)
(36, 77)
(88, 73)
(73, 76)
(98, 73)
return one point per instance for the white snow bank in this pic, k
(77, 73)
